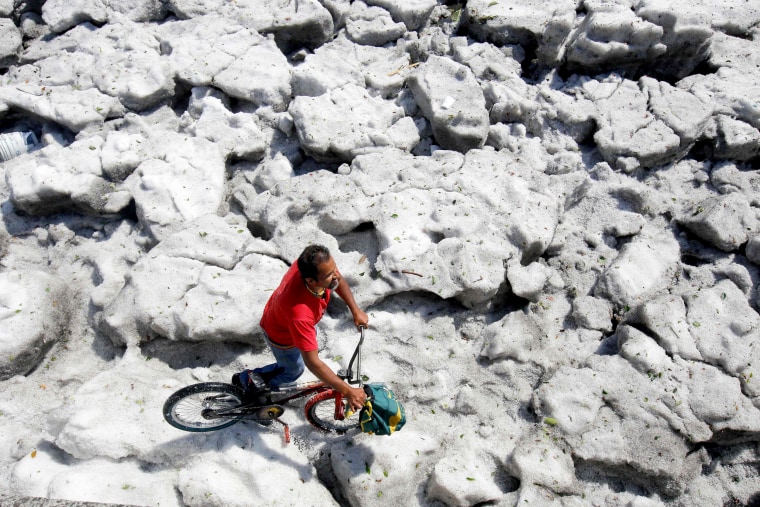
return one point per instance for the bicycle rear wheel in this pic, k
(193, 408)
(326, 411)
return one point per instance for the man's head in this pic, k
(318, 268)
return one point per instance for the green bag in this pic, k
(382, 413)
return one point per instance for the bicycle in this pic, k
(211, 406)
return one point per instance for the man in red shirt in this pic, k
(289, 321)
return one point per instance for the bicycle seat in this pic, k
(287, 386)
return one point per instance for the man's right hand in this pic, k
(356, 398)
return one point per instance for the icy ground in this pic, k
(549, 209)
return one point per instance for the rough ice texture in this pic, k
(548, 209)
(34, 316)
(450, 98)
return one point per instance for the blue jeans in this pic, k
(289, 359)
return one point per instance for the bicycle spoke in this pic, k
(202, 407)
(325, 412)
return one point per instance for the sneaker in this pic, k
(236, 380)
(255, 390)
(247, 380)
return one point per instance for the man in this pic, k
(289, 321)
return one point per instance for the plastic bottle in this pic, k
(13, 144)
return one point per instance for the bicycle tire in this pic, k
(320, 412)
(184, 409)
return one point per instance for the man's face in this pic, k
(328, 276)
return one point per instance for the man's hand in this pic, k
(356, 398)
(360, 319)
(344, 291)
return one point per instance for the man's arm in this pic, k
(344, 291)
(355, 395)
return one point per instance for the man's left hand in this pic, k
(361, 319)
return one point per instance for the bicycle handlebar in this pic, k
(357, 356)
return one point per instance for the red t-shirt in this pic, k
(292, 312)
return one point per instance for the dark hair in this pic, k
(311, 257)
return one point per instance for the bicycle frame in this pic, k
(273, 398)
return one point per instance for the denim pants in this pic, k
(290, 359)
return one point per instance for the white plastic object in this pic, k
(13, 144)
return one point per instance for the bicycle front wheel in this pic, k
(326, 411)
(195, 408)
